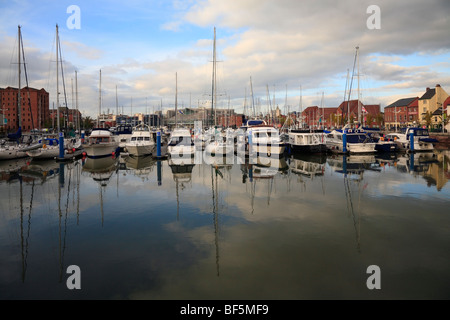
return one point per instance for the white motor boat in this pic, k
(421, 140)
(141, 142)
(101, 143)
(358, 141)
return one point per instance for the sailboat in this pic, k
(18, 145)
(352, 138)
(180, 144)
(101, 141)
(50, 146)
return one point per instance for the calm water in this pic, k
(305, 228)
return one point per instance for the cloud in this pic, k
(83, 51)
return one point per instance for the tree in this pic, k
(369, 120)
(428, 117)
(379, 119)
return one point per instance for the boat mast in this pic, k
(253, 99)
(213, 82)
(359, 103)
(57, 80)
(99, 99)
(176, 100)
(19, 106)
(301, 108)
(76, 103)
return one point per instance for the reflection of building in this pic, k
(437, 173)
(34, 108)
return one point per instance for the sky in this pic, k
(287, 53)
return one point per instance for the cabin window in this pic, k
(133, 139)
(147, 138)
(140, 138)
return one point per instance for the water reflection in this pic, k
(182, 175)
(240, 223)
(101, 171)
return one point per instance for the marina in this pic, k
(225, 151)
(300, 226)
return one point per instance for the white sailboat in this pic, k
(18, 145)
(49, 145)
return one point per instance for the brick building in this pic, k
(401, 113)
(34, 108)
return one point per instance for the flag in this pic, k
(364, 110)
(180, 111)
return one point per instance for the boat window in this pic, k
(147, 138)
(140, 138)
(133, 138)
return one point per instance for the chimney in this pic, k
(438, 85)
(428, 89)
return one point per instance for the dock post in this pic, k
(344, 142)
(82, 136)
(61, 145)
(411, 141)
(158, 144)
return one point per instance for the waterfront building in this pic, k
(401, 113)
(34, 108)
(429, 103)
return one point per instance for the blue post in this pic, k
(250, 173)
(82, 136)
(411, 161)
(158, 144)
(411, 141)
(61, 145)
(344, 142)
(158, 166)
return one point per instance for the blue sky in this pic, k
(282, 45)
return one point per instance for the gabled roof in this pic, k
(429, 94)
(402, 102)
(446, 103)
(437, 112)
(353, 106)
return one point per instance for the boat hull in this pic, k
(140, 150)
(12, 153)
(101, 150)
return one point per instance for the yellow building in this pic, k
(430, 102)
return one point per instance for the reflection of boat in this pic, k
(182, 174)
(139, 163)
(12, 165)
(101, 169)
(307, 164)
(353, 164)
(415, 163)
(43, 169)
(141, 166)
